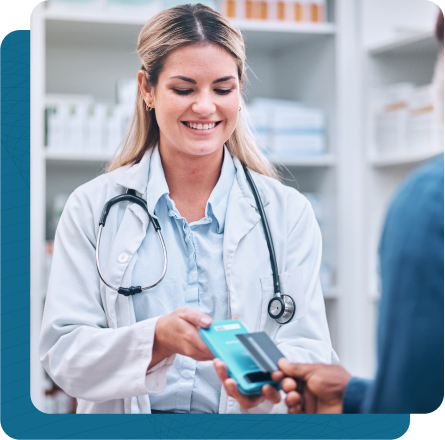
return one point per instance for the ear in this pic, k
(147, 91)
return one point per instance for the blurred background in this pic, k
(339, 96)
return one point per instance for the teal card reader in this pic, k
(222, 341)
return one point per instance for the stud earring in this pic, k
(148, 108)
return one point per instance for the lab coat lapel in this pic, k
(129, 236)
(242, 215)
(130, 233)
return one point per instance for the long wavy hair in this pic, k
(165, 32)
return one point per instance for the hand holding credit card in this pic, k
(249, 357)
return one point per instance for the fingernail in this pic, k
(206, 321)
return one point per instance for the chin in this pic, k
(202, 148)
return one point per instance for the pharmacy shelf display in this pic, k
(83, 65)
(402, 127)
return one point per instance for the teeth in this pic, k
(200, 126)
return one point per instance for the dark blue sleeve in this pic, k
(410, 374)
(355, 394)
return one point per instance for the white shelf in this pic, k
(399, 159)
(407, 44)
(140, 20)
(76, 156)
(121, 30)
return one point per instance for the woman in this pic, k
(183, 155)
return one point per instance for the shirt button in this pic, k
(122, 258)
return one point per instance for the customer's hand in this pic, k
(245, 402)
(177, 332)
(322, 386)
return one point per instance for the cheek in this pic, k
(169, 109)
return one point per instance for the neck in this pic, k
(191, 179)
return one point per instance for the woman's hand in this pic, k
(245, 402)
(177, 332)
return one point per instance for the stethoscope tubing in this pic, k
(130, 196)
(267, 233)
(164, 270)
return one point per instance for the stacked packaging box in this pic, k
(78, 123)
(422, 124)
(405, 121)
(288, 129)
(391, 116)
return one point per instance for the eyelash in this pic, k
(188, 91)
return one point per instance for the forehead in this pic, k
(200, 60)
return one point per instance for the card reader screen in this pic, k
(258, 376)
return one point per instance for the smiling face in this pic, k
(196, 99)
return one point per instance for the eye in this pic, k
(183, 91)
(222, 91)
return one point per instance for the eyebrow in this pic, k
(190, 80)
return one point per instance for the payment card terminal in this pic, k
(250, 376)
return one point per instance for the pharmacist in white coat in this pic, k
(183, 155)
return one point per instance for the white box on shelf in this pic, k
(95, 129)
(60, 123)
(298, 132)
(259, 118)
(77, 121)
(114, 128)
(422, 124)
(57, 126)
(391, 113)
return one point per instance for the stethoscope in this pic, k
(281, 307)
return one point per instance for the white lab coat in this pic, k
(90, 342)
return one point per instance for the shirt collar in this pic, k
(217, 203)
(153, 188)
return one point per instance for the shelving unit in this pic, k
(85, 53)
(407, 56)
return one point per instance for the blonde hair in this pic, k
(169, 30)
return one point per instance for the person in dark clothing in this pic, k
(410, 373)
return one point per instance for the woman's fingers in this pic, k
(271, 394)
(246, 402)
(221, 370)
(195, 317)
(231, 388)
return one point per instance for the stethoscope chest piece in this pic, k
(281, 308)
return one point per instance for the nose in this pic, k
(204, 106)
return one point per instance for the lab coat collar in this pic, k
(136, 176)
(244, 185)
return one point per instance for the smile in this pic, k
(198, 126)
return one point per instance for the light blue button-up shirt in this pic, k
(195, 278)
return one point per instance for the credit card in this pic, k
(263, 351)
